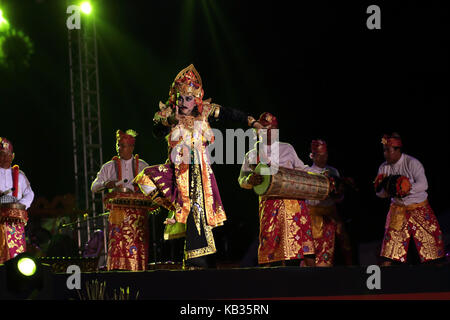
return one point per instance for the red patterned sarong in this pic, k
(128, 239)
(327, 228)
(12, 239)
(417, 221)
(12, 232)
(285, 230)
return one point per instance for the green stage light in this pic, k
(86, 7)
(3, 22)
(26, 266)
(24, 276)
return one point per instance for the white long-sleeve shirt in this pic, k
(108, 173)
(25, 194)
(332, 172)
(287, 158)
(411, 168)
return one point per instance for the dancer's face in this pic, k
(186, 104)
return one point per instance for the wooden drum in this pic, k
(292, 184)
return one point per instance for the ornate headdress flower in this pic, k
(267, 119)
(6, 145)
(391, 141)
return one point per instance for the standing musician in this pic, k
(327, 225)
(402, 178)
(285, 224)
(128, 226)
(16, 197)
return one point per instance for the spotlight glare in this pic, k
(3, 21)
(86, 7)
(26, 266)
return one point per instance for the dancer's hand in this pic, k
(254, 123)
(170, 221)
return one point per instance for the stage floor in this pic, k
(287, 283)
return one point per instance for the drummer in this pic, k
(14, 188)
(327, 225)
(410, 215)
(285, 235)
(128, 229)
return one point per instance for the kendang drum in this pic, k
(292, 184)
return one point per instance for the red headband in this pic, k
(389, 141)
(6, 145)
(267, 119)
(128, 137)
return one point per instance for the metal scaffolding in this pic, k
(86, 127)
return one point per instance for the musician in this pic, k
(14, 188)
(285, 224)
(186, 183)
(128, 227)
(402, 178)
(327, 226)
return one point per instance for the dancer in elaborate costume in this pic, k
(128, 226)
(185, 184)
(285, 224)
(402, 178)
(16, 197)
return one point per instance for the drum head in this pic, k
(260, 189)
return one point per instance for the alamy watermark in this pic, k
(211, 143)
(374, 280)
(74, 280)
(74, 20)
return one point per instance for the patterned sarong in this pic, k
(417, 221)
(285, 230)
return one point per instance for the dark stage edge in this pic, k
(286, 283)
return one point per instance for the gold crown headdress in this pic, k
(188, 82)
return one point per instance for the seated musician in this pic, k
(14, 189)
(128, 227)
(285, 224)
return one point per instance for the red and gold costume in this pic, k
(410, 215)
(285, 224)
(327, 225)
(128, 224)
(15, 197)
(186, 184)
